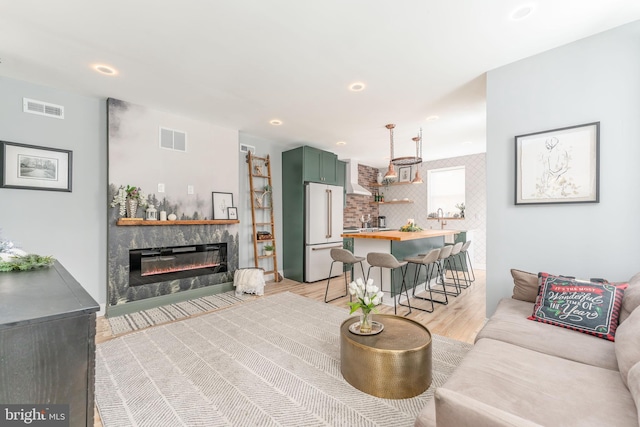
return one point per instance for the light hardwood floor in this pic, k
(461, 319)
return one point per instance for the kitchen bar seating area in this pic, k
(444, 274)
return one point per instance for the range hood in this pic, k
(352, 180)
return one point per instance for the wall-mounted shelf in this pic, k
(140, 221)
(445, 218)
(375, 184)
(391, 202)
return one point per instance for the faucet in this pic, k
(441, 220)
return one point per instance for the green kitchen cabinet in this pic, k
(320, 166)
(300, 165)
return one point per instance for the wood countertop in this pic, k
(401, 236)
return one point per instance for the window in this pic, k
(445, 190)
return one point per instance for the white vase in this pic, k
(379, 178)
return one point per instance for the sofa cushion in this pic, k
(509, 324)
(584, 306)
(525, 285)
(628, 344)
(543, 389)
(631, 298)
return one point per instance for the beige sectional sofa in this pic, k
(525, 373)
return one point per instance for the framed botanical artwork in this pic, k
(221, 203)
(404, 174)
(558, 166)
(233, 212)
(30, 167)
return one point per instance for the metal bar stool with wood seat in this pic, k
(345, 257)
(384, 260)
(429, 262)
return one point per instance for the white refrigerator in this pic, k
(323, 227)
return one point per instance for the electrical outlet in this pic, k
(189, 189)
(160, 188)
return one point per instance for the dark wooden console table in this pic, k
(47, 341)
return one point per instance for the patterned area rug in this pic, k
(168, 313)
(274, 361)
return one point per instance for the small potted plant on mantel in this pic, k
(268, 249)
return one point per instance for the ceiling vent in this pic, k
(352, 180)
(172, 139)
(42, 108)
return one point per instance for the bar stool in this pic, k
(464, 253)
(384, 260)
(441, 264)
(452, 265)
(429, 262)
(345, 257)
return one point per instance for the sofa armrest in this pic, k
(454, 410)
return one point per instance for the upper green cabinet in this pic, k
(320, 166)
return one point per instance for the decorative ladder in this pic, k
(262, 202)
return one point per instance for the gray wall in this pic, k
(69, 226)
(274, 150)
(594, 79)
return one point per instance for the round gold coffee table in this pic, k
(394, 364)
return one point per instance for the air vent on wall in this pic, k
(173, 139)
(42, 108)
(244, 148)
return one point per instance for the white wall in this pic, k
(594, 79)
(69, 226)
(475, 202)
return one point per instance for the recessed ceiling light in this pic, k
(357, 87)
(432, 118)
(522, 12)
(341, 143)
(276, 122)
(105, 69)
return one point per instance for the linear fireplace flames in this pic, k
(153, 265)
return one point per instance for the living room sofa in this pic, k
(526, 373)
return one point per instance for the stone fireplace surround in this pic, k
(122, 239)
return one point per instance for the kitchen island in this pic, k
(401, 245)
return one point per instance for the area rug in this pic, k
(168, 313)
(274, 361)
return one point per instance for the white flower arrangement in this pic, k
(127, 193)
(367, 295)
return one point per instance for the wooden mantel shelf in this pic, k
(140, 221)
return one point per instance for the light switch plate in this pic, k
(160, 188)
(189, 189)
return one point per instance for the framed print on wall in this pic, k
(222, 201)
(233, 213)
(404, 174)
(31, 167)
(558, 166)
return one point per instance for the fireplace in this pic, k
(152, 265)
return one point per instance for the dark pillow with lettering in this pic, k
(586, 306)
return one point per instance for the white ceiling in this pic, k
(241, 63)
